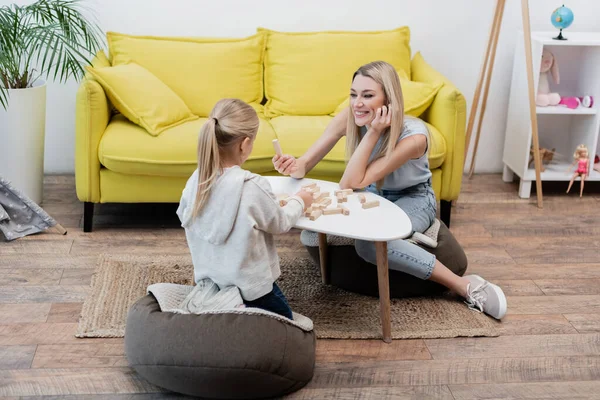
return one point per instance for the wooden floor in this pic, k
(547, 261)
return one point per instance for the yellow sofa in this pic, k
(136, 132)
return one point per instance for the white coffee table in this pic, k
(379, 224)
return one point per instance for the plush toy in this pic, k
(549, 65)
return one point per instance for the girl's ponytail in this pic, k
(208, 163)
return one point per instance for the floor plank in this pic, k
(72, 381)
(44, 294)
(584, 322)
(79, 276)
(16, 357)
(519, 287)
(535, 325)
(112, 396)
(63, 261)
(515, 346)
(45, 333)
(554, 287)
(529, 391)
(376, 393)
(31, 277)
(22, 313)
(553, 304)
(62, 246)
(80, 355)
(456, 371)
(536, 272)
(357, 350)
(65, 312)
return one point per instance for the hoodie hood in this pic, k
(216, 220)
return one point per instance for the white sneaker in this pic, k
(486, 297)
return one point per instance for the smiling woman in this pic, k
(387, 154)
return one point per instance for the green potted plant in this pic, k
(48, 39)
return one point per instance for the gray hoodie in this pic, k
(231, 241)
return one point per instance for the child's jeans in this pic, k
(419, 203)
(273, 301)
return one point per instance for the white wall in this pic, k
(451, 35)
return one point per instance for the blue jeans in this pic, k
(273, 301)
(419, 203)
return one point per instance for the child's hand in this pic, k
(307, 197)
(382, 120)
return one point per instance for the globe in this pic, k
(562, 18)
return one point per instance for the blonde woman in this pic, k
(230, 215)
(386, 154)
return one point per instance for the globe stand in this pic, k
(560, 36)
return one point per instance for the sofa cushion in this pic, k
(297, 133)
(127, 148)
(189, 66)
(100, 60)
(309, 73)
(143, 98)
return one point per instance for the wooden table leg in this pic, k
(323, 257)
(384, 290)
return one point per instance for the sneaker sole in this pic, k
(501, 298)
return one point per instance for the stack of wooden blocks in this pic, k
(322, 200)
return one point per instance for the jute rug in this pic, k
(120, 280)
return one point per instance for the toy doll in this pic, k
(582, 160)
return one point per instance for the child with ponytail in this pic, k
(230, 214)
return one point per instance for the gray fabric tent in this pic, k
(20, 216)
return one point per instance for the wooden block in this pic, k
(342, 198)
(325, 201)
(308, 211)
(319, 196)
(314, 189)
(318, 206)
(310, 185)
(277, 147)
(345, 211)
(331, 211)
(362, 198)
(371, 204)
(315, 214)
(344, 191)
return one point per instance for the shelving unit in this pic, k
(559, 127)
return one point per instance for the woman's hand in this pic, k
(382, 120)
(289, 165)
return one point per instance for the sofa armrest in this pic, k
(92, 114)
(448, 113)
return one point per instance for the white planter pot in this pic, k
(22, 133)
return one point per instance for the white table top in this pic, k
(383, 223)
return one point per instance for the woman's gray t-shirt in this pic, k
(415, 170)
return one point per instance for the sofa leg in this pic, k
(446, 210)
(88, 216)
